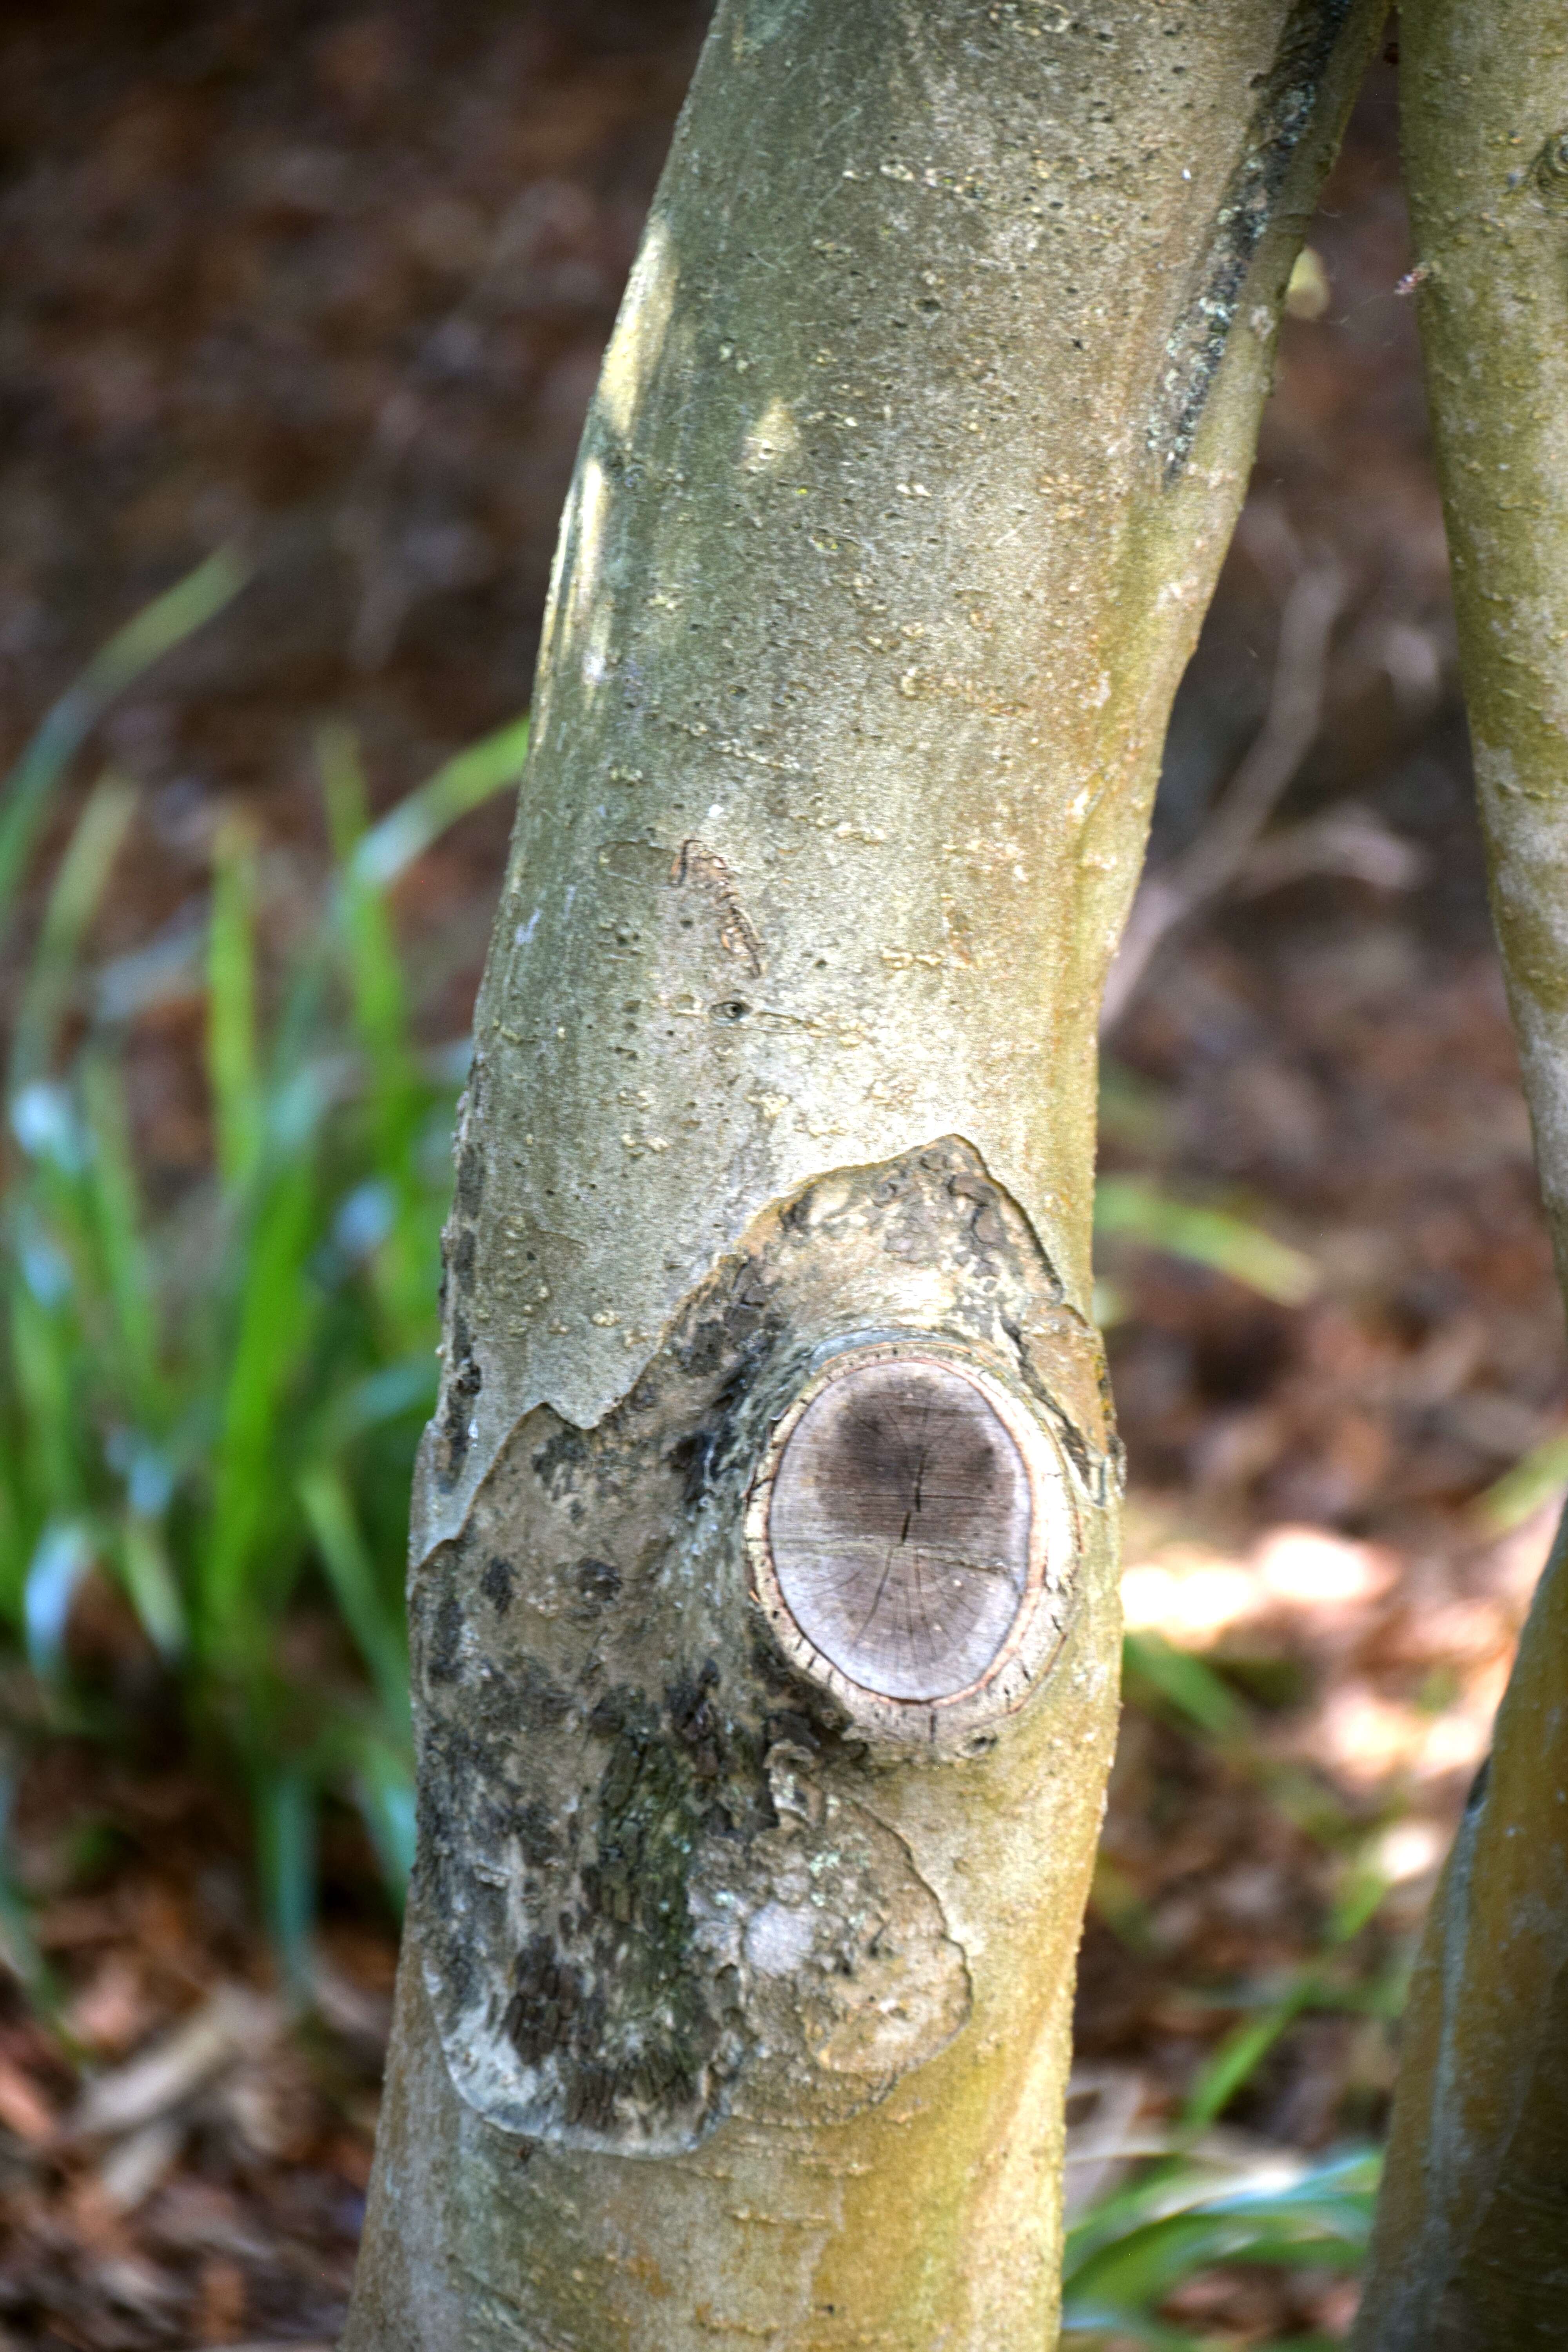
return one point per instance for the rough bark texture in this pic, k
(1471, 2247)
(736, 1988)
(623, 1766)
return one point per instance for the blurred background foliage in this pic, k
(321, 285)
(215, 1408)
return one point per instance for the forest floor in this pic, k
(336, 278)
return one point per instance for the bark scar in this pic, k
(706, 871)
(653, 1885)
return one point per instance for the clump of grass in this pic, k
(215, 1409)
(1198, 2198)
(1190, 2213)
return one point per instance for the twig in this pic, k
(1174, 895)
(1348, 840)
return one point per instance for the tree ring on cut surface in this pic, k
(912, 1535)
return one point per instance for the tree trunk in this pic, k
(1471, 2246)
(763, 1596)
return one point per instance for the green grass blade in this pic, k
(461, 783)
(1359, 1897)
(1162, 2187)
(233, 1072)
(19, 1949)
(73, 901)
(200, 1421)
(130, 1289)
(1139, 2272)
(370, 859)
(329, 1509)
(378, 990)
(383, 1782)
(14, 1519)
(286, 1841)
(1186, 1684)
(44, 1367)
(1087, 2330)
(149, 1578)
(1122, 2265)
(1132, 1111)
(1131, 1206)
(151, 634)
(64, 1554)
(1239, 2055)
(395, 1391)
(343, 787)
(244, 1572)
(1538, 1477)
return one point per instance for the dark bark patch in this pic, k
(499, 1582)
(464, 1381)
(611, 2009)
(536, 1836)
(598, 1586)
(446, 1635)
(644, 1895)
(558, 1461)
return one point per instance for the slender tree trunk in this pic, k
(1471, 2247)
(764, 1586)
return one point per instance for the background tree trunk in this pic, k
(736, 1990)
(1471, 2247)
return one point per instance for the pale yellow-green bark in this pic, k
(735, 1998)
(1471, 2247)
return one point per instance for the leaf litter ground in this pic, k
(336, 279)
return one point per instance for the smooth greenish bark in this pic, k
(1471, 2246)
(735, 1999)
